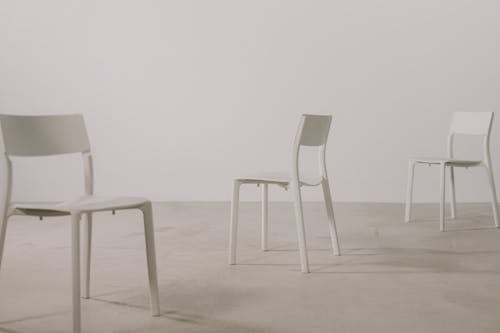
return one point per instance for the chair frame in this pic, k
(304, 137)
(459, 126)
(82, 147)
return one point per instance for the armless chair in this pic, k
(463, 123)
(66, 134)
(313, 131)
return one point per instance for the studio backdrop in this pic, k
(181, 96)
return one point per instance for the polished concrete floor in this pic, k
(392, 277)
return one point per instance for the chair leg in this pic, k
(453, 203)
(299, 219)
(75, 246)
(233, 227)
(147, 212)
(3, 232)
(443, 194)
(265, 217)
(331, 218)
(494, 201)
(87, 252)
(409, 193)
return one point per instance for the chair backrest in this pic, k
(43, 135)
(471, 123)
(313, 131)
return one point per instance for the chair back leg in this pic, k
(233, 227)
(331, 218)
(301, 233)
(494, 201)
(87, 252)
(3, 232)
(409, 193)
(154, 296)
(75, 258)
(265, 217)
(453, 204)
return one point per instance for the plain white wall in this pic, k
(180, 96)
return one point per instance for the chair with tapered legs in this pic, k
(463, 123)
(37, 136)
(313, 132)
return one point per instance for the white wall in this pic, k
(180, 96)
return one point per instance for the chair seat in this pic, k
(280, 178)
(87, 203)
(447, 161)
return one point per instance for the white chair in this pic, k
(466, 123)
(313, 131)
(65, 134)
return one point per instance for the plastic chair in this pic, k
(466, 123)
(66, 134)
(313, 131)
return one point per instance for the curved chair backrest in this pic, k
(43, 135)
(312, 132)
(471, 123)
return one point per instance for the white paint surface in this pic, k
(181, 96)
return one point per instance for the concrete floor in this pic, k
(392, 277)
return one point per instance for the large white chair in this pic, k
(313, 131)
(65, 134)
(465, 123)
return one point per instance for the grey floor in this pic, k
(392, 277)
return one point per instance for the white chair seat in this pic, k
(447, 161)
(87, 203)
(280, 178)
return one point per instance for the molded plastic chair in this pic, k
(66, 134)
(313, 131)
(468, 123)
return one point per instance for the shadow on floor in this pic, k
(34, 317)
(7, 330)
(170, 314)
(408, 261)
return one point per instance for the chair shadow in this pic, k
(469, 218)
(34, 317)
(448, 229)
(184, 299)
(407, 261)
(297, 250)
(170, 314)
(8, 330)
(452, 227)
(380, 251)
(420, 260)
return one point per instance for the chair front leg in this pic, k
(301, 233)
(443, 194)
(409, 193)
(265, 217)
(331, 218)
(233, 227)
(147, 212)
(87, 252)
(75, 258)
